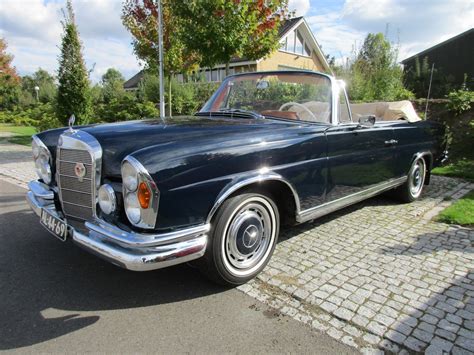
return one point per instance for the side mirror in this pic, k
(263, 84)
(366, 121)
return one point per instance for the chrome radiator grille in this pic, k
(77, 194)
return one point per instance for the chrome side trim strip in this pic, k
(328, 207)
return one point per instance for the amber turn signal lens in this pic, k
(144, 195)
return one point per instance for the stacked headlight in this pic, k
(42, 159)
(140, 194)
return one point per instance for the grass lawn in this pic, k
(22, 134)
(463, 169)
(461, 212)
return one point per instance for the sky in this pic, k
(32, 29)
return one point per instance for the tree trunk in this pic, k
(169, 94)
(227, 69)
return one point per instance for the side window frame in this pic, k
(338, 88)
(343, 92)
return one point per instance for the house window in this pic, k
(295, 43)
(290, 42)
(298, 43)
(215, 75)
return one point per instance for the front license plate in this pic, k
(54, 225)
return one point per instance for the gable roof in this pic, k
(133, 82)
(452, 39)
(288, 25)
(292, 24)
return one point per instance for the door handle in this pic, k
(391, 142)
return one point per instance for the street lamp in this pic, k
(160, 60)
(37, 89)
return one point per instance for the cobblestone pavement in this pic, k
(377, 276)
(16, 164)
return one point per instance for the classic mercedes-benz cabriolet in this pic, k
(267, 148)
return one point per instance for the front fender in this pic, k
(195, 177)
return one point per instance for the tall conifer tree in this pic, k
(73, 78)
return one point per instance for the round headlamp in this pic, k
(107, 200)
(42, 159)
(132, 208)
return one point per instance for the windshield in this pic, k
(298, 96)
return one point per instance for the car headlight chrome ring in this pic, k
(140, 194)
(107, 199)
(42, 160)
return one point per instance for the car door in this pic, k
(411, 139)
(358, 158)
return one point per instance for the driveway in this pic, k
(54, 297)
(377, 275)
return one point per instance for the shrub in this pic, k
(41, 116)
(373, 73)
(125, 108)
(460, 100)
(187, 98)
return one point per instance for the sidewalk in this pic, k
(16, 164)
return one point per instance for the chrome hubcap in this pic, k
(416, 178)
(249, 236)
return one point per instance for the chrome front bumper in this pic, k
(130, 250)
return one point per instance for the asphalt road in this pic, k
(54, 297)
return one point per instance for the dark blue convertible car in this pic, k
(267, 149)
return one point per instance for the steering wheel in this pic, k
(292, 103)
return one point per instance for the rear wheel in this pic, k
(242, 240)
(412, 188)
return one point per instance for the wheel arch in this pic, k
(285, 195)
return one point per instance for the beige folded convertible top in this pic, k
(386, 111)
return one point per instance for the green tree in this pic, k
(44, 81)
(73, 91)
(9, 79)
(112, 85)
(219, 30)
(140, 17)
(374, 74)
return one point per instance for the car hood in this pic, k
(123, 138)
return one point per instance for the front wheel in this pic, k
(242, 240)
(412, 188)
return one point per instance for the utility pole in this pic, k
(160, 60)
(429, 92)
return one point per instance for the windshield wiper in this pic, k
(239, 110)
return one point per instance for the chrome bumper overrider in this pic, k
(133, 251)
